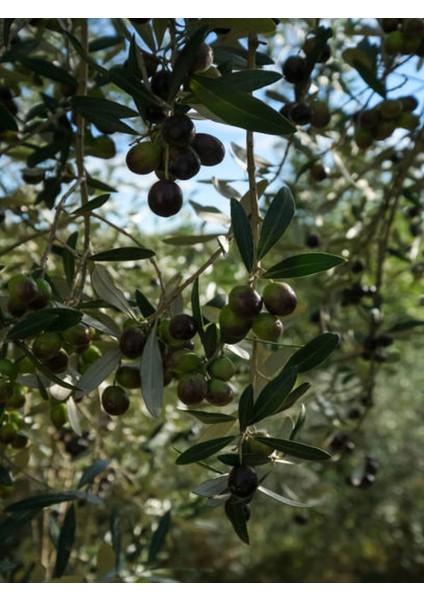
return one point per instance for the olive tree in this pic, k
(139, 367)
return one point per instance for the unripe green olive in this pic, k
(222, 368)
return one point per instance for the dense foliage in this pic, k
(235, 376)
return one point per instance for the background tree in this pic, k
(138, 366)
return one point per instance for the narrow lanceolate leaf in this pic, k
(185, 60)
(143, 304)
(302, 265)
(91, 472)
(285, 500)
(236, 514)
(132, 85)
(48, 319)
(105, 114)
(10, 527)
(239, 108)
(92, 204)
(300, 421)
(297, 449)
(48, 69)
(209, 417)
(123, 254)
(43, 500)
(65, 542)
(203, 450)
(7, 122)
(246, 410)
(244, 26)
(73, 416)
(105, 288)
(273, 396)
(294, 396)
(99, 370)
(248, 81)
(5, 478)
(152, 374)
(405, 325)
(276, 221)
(195, 306)
(212, 487)
(159, 536)
(314, 353)
(242, 233)
(190, 240)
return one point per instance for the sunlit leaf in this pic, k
(99, 371)
(297, 449)
(239, 109)
(106, 289)
(273, 395)
(212, 487)
(285, 500)
(73, 417)
(314, 352)
(301, 265)
(152, 374)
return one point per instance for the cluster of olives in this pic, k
(53, 351)
(26, 293)
(297, 70)
(243, 312)
(379, 122)
(196, 378)
(403, 36)
(177, 152)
